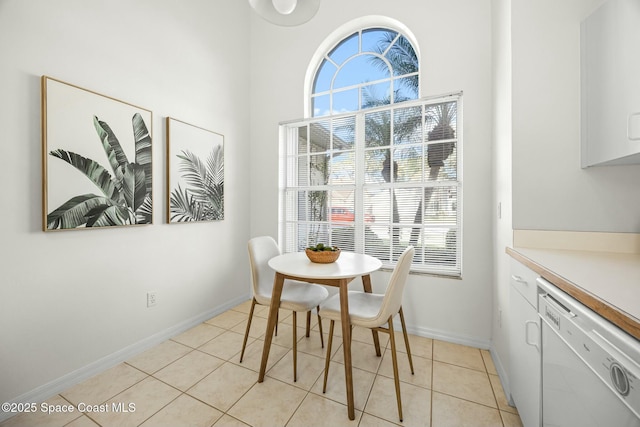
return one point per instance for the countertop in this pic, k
(606, 282)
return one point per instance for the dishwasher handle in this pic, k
(558, 305)
(556, 298)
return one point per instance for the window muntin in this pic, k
(374, 65)
(350, 74)
(345, 49)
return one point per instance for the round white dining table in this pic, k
(296, 266)
(348, 265)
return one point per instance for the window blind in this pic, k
(377, 180)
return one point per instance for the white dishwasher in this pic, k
(590, 367)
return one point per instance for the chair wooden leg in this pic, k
(295, 347)
(326, 362)
(406, 339)
(277, 321)
(320, 327)
(394, 358)
(246, 332)
(308, 322)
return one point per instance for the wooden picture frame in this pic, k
(195, 173)
(96, 159)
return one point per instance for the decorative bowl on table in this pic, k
(322, 254)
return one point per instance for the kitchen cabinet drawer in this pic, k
(523, 280)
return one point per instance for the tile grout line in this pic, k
(299, 404)
(431, 394)
(108, 398)
(492, 388)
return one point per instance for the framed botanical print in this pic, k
(96, 159)
(195, 171)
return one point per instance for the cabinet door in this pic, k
(524, 342)
(610, 65)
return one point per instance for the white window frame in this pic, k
(344, 31)
(289, 224)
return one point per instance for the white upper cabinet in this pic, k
(610, 84)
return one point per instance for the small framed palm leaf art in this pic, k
(195, 171)
(96, 159)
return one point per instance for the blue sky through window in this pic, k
(371, 38)
(345, 49)
(355, 63)
(359, 70)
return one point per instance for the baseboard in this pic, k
(502, 373)
(446, 336)
(50, 389)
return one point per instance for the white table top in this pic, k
(348, 265)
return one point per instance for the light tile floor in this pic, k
(196, 379)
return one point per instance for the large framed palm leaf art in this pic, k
(195, 171)
(96, 152)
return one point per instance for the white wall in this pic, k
(454, 39)
(502, 203)
(550, 190)
(70, 299)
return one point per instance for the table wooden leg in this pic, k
(366, 284)
(278, 283)
(346, 344)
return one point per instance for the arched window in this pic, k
(374, 167)
(369, 68)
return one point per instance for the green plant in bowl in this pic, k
(320, 247)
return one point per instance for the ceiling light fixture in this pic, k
(284, 7)
(287, 13)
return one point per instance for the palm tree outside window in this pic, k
(375, 168)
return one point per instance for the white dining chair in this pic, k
(296, 296)
(373, 311)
